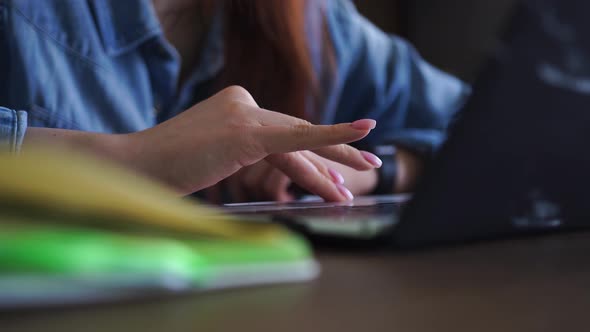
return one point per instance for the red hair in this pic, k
(267, 51)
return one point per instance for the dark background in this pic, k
(454, 35)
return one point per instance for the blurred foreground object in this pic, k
(76, 229)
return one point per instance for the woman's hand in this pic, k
(264, 182)
(215, 138)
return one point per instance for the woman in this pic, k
(124, 67)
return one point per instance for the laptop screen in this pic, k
(516, 159)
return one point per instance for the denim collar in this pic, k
(124, 25)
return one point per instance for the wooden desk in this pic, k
(536, 284)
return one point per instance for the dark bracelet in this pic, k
(388, 171)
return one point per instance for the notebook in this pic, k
(75, 229)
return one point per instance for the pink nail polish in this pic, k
(364, 124)
(336, 177)
(372, 159)
(345, 192)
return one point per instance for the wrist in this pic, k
(145, 152)
(120, 148)
(387, 174)
(131, 151)
(409, 170)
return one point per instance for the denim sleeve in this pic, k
(13, 125)
(382, 77)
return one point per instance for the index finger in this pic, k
(281, 139)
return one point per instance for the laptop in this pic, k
(364, 218)
(516, 158)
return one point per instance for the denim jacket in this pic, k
(105, 66)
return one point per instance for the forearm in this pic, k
(115, 147)
(215, 138)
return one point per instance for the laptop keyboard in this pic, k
(364, 218)
(363, 206)
(343, 211)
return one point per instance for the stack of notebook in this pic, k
(76, 229)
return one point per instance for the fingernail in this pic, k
(364, 124)
(345, 192)
(372, 159)
(336, 177)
